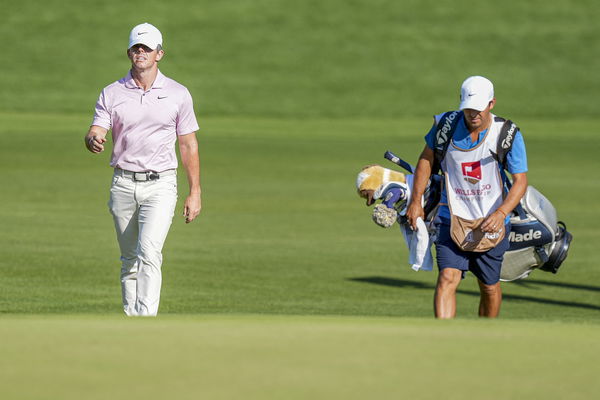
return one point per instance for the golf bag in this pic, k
(538, 240)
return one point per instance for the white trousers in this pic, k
(142, 212)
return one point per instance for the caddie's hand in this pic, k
(494, 222)
(192, 207)
(414, 211)
(95, 144)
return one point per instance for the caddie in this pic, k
(473, 218)
(147, 114)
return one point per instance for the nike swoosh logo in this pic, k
(471, 94)
(162, 97)
(142, 33)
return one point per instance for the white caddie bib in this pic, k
(474, 190)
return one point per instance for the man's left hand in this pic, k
(192, 207)
(494, 222)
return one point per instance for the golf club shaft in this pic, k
(398, 161)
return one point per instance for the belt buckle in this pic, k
(147, 176)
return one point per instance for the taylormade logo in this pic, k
(509, 136)
(493, 235)
(442, 134)
(521, 237)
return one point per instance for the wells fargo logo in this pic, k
(471, 171)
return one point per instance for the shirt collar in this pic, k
(158, 83)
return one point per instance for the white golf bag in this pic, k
(537, 239)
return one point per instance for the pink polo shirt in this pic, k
(145, 125)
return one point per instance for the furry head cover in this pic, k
(374, 177)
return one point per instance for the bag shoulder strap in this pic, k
(443, 135)
(505, 140)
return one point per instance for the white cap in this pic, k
(145, 34)
(475, 93)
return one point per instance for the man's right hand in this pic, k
(420, 182)
(95, 139)
(414, 211)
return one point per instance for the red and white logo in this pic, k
(471, 171)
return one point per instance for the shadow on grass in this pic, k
(533, 282)
(403, 283)
(380, 280)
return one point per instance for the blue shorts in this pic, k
(485, 266)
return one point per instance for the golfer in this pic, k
(147, 113)
(473, 218)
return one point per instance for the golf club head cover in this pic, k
(384, 216)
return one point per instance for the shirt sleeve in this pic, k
(186, 119)
(516, 159)
(102, 114)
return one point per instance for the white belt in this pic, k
(145, 175)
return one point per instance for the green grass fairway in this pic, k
(282, 231)
(284, 357)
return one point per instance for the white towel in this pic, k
(418, 242)
(419, 246)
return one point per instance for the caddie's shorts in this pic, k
(485, 266)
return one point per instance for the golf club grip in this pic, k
(398, 161)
